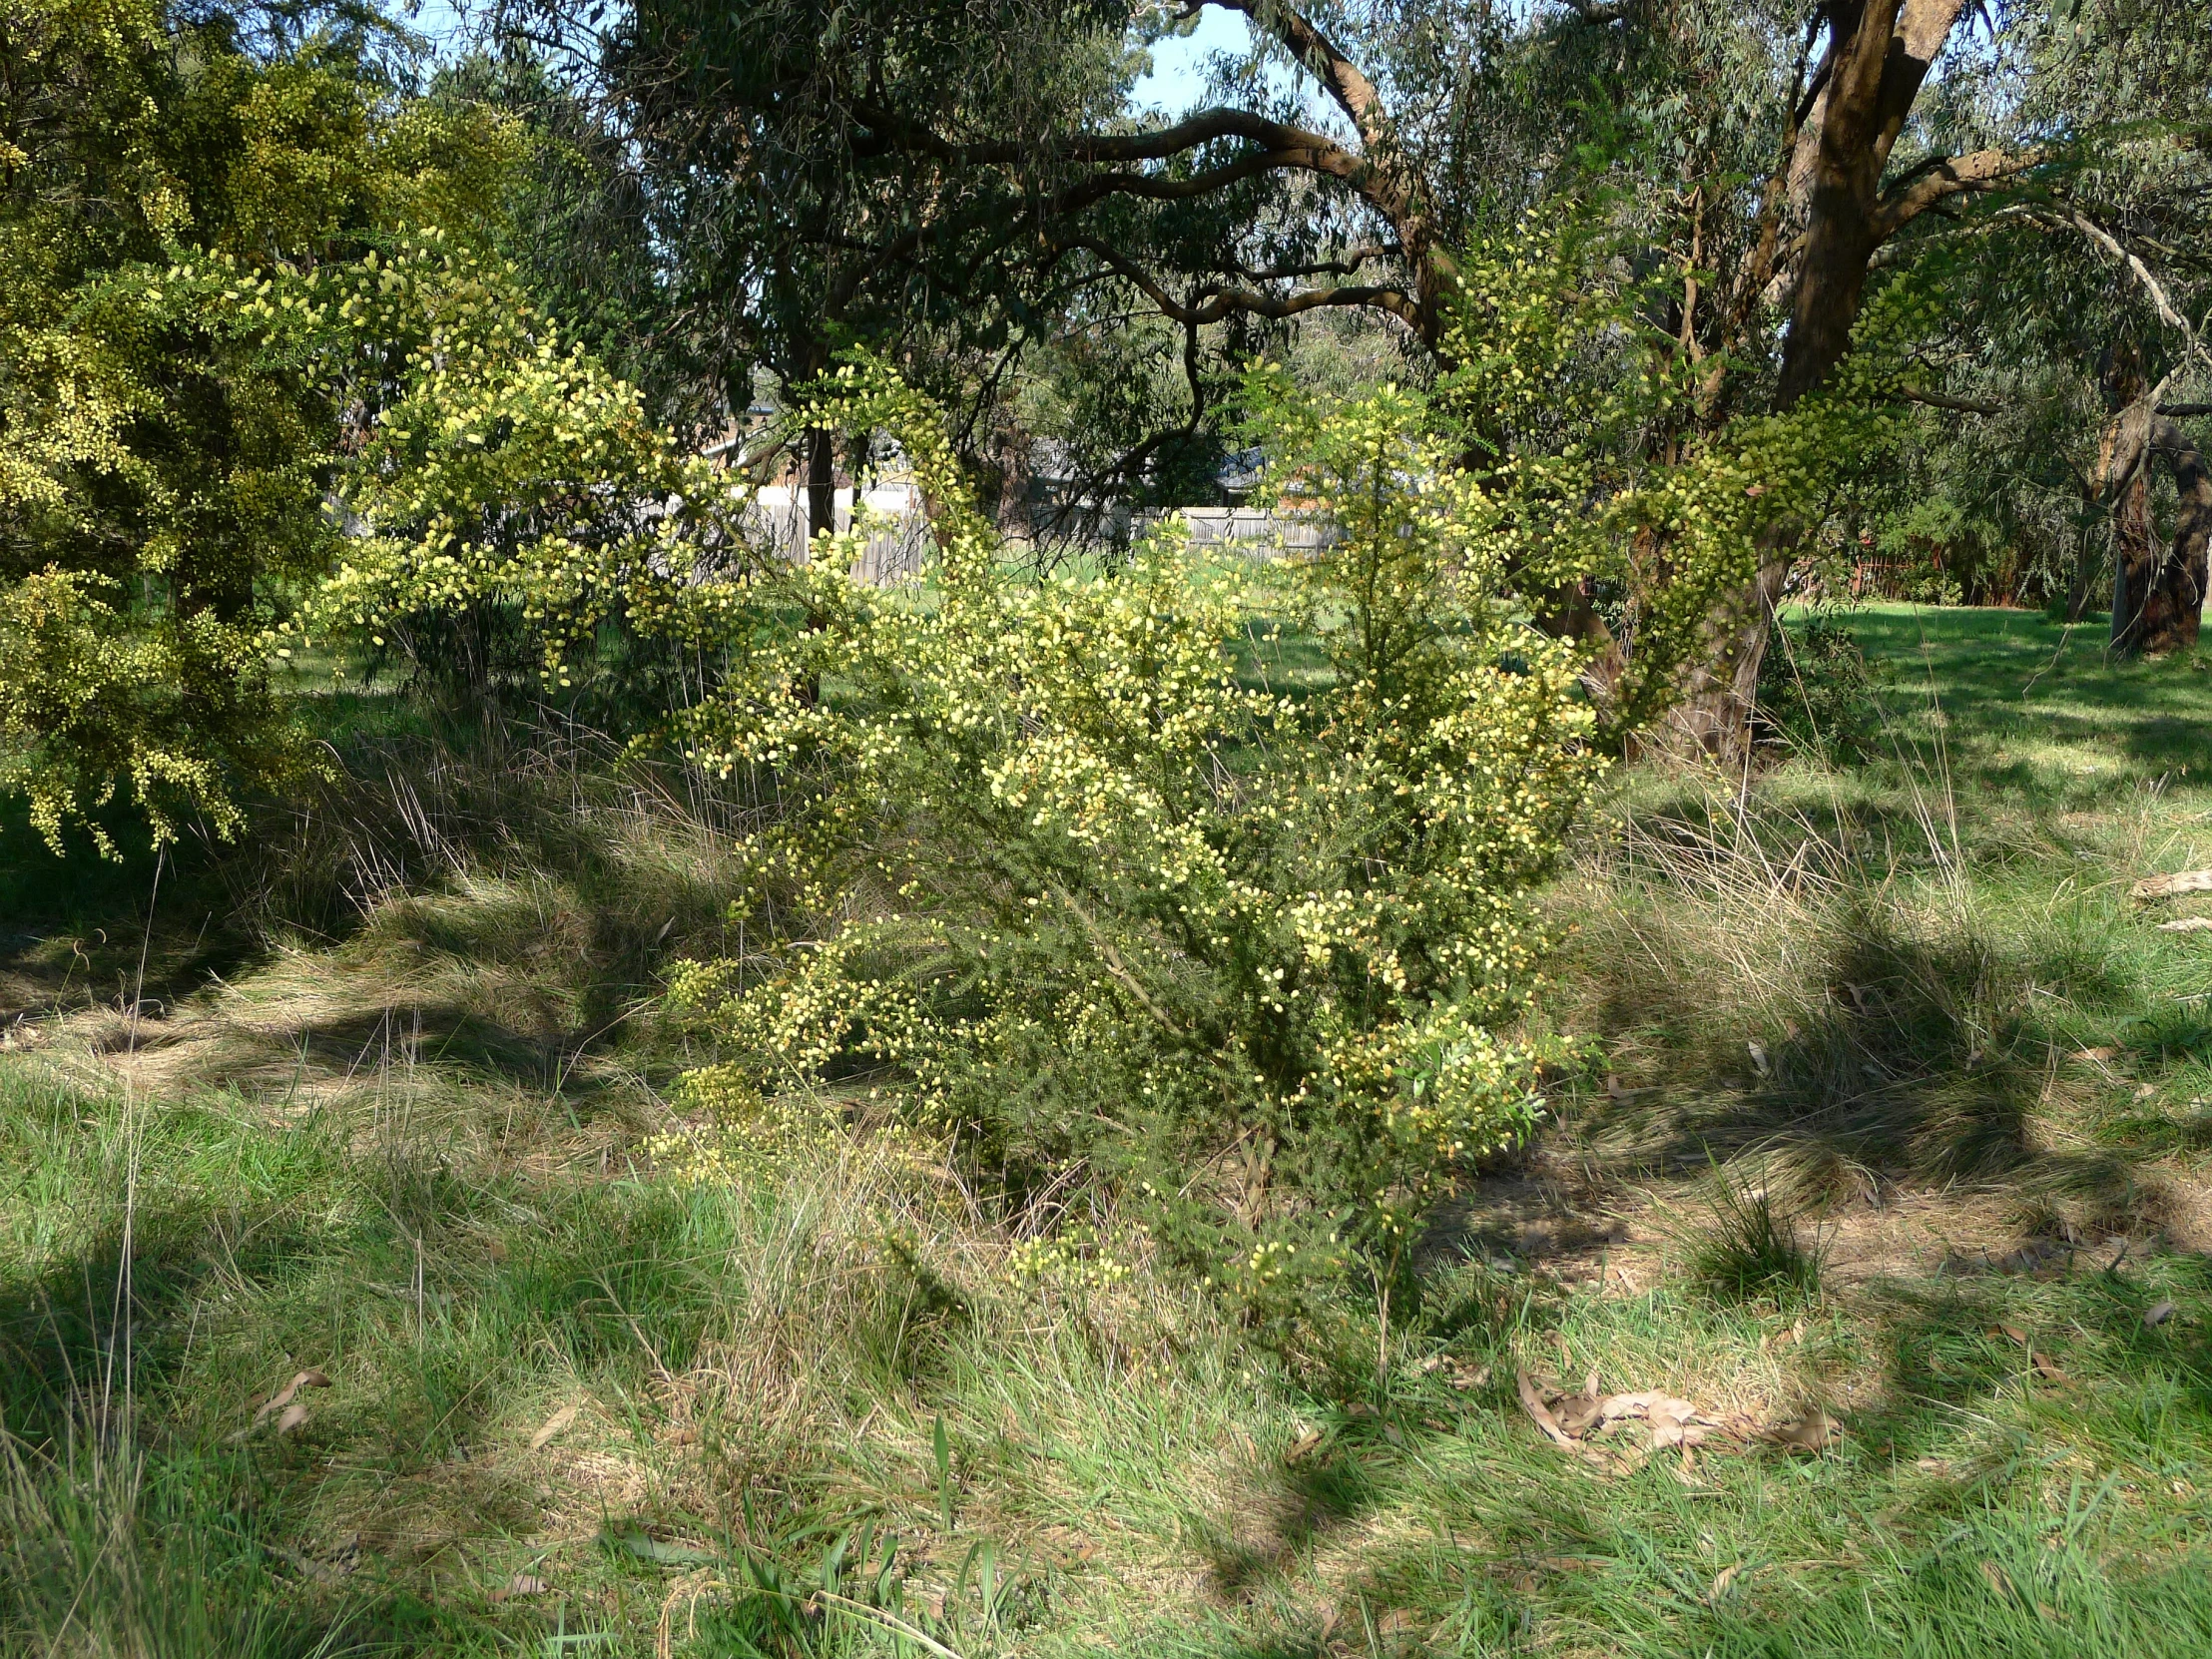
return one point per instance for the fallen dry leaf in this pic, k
(522, 1584)
(2011, 1332)
(1999, 1581)
(2045, 1369)
(1933, 1465)
(1723, 1581)
(291, 1418)
(1303, 1447)
(1776, 1340)
(2158, 1314)
(2169, 886)
(1815, 1431)
(1675, 1423)
(1397, 1622)
(2099, 1054)
(1471, 1376)
(309, 1378)
(1534, 1404)
(2187, 924)
(552, 1426)
(1578, 1414)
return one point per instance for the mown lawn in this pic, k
(1893, 1158)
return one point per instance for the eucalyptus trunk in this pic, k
(1879, 55)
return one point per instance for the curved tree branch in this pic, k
(1223, 301)
(1346, 83)
(1940, 180)
(1943, 400)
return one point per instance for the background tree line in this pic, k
(715, 202)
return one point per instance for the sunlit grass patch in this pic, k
(579, 1404)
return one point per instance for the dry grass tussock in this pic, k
(1901, 1037)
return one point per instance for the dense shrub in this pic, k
(193, 324)
(1084, 870)
(1817, 694)
(1047, 871)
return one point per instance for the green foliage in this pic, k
(512, 500)
(182, 225)
(1817, 694)
(759, 1368)
(1042, 867)
(1594, 437)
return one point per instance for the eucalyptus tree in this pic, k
(2087, 297)
(970, 184)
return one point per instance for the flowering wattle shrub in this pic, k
(193, 320)
(1056, 866)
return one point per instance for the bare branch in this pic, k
(1285, 147)
(1938, 181)
(1154, 188)
(2169, 314)
(1348, 84)
(1942, 401)
(1221, 301)
(888, 133)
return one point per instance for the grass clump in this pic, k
(1750, 1249)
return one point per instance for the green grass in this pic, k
(413, 1155)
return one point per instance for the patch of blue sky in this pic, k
(1181, 63)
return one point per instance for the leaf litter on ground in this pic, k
(281, 1404)
(1569, 1418)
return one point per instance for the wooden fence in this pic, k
(1883, 578)
(1255, 531)
(901, 548)
(898, 550)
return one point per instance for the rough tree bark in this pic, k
(2186, 565)
(1879, 54)
(2157, 595)
(2123, 487)
(821, 484)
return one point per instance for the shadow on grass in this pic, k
(1909, 1056)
